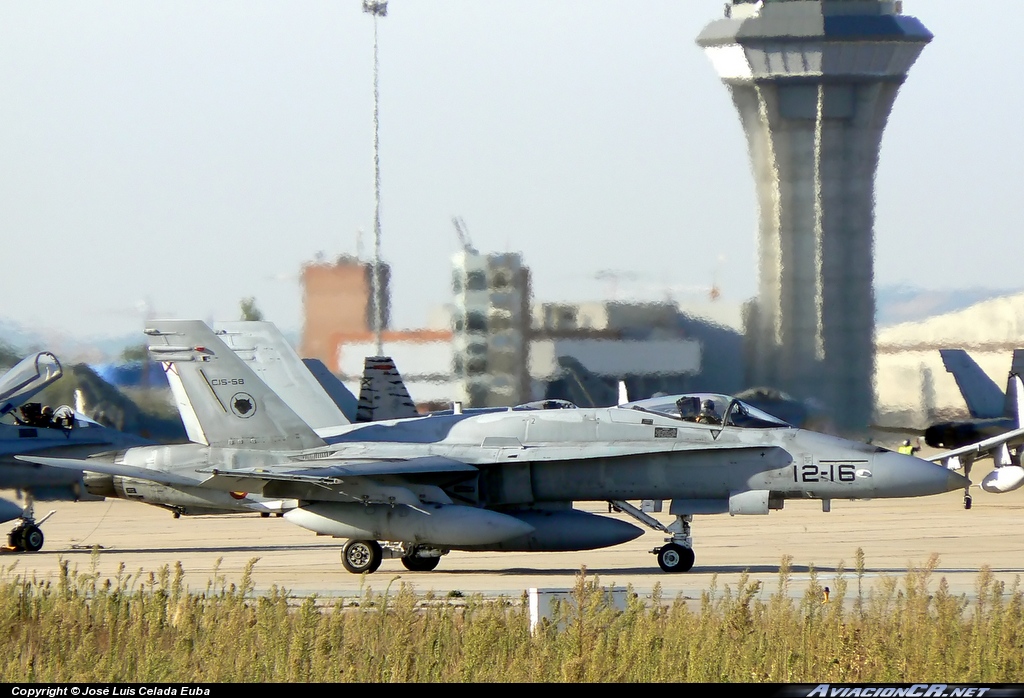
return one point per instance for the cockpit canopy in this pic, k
(709, 408)
(26, 379)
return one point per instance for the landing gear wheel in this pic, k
(967, 501)
(360, 556)
(31, 538)
(420, 564)
(675, 558)
(15, 539)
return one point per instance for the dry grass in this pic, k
(150, 627)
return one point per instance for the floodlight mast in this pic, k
(377, 8)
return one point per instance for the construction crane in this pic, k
(460, 230)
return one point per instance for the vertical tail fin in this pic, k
(623, 393)
(262, 346)
(382, 394)
(983, 397)
(1014, 394)
(335, 389)
(231, 405)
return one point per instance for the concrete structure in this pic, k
(337, 299)
(814, 82)
(491, 322)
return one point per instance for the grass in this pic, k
(150, 627)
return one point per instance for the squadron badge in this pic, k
(243, 405)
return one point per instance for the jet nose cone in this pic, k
(897, 475)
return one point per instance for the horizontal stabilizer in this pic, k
(97, 466)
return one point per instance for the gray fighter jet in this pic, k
(29, 427)
(500, 479)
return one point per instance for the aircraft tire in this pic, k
(420, 564)
(360, 556)
(675, 558)
(31, 538)
(15, 540)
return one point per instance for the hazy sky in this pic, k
(179, 156)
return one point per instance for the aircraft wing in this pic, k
(340, 472)
(255, 478)
(97, 466)
(953, 459)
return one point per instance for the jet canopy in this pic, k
(709, 408)
(26, 379)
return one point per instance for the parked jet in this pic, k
(996, 417)
(499, 480)
(28, 427)
(992, 411)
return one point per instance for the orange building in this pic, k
(337, 299)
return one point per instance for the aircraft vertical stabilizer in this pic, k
(264, 348)
(623, 393)
(232, 405)
(1014, 394)
(983, 397)
(335, 389)
(382, 394)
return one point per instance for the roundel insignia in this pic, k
(238, 495)
(243, 405)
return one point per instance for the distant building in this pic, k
(491, 326)
(337, 300)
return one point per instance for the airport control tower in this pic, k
(814, 82)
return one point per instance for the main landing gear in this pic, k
(359, 556)
(675, 558)
(677, 554)
(27, 536)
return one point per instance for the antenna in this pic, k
(377, 8)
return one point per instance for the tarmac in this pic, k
(894, 535)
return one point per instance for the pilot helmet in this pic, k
(707, 405)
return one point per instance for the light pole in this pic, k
(377, 8)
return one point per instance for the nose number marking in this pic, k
(826, 471)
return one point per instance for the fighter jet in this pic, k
(992, 411)
(29, 427)
(501, 479)
(996, 419)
